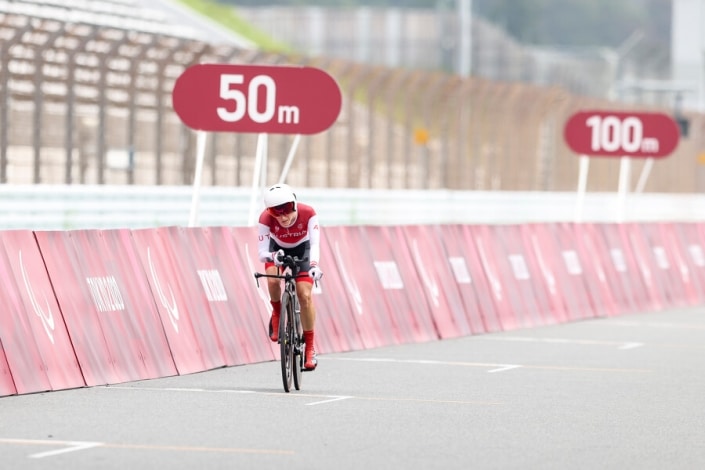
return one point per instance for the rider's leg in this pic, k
(275, 295)
(308, 321)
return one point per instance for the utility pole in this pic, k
(465, 32)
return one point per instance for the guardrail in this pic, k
(65, 207)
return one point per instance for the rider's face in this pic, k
(286, 220)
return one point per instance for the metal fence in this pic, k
(87, 104)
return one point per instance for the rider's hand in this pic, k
(315, 273)
(278, 257)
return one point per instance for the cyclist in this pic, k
(287, 227)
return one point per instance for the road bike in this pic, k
(291, 333)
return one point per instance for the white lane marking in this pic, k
(329, 398)
(495, 367)
(531, 339)
(502, 369)
(79, 445)
(181, 389)
(655, 324)
(328, 401)
(71, 446)
(74, 446)
(631, 345)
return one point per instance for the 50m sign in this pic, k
(256, 98)
(606, 133)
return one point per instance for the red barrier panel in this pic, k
(469, 274)
(240, 319)
(38, 348)
(364, 290)
(210, 294)
(7, 386)
(579, 239)
(634, 239)
(425, 243)
(142, 326)
(690, 255)
(516, 285)
(22, 353)
(109, 313)
(340, 300)
(562, 269)
(401, 287)
(69, 279)
(346, 309)
(194, 343)
(666, 264)
(621, 269)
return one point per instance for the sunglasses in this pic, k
(281, 209)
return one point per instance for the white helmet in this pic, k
(278, 195)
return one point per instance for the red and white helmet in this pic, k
(280, 199)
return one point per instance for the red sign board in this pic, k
(621, 134)
(256, 98)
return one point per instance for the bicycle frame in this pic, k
(291, 341)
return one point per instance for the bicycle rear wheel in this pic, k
(286, 341)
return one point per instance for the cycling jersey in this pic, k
(304, 229)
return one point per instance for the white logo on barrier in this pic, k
(171, 308)
(696, 252)
(389, 275)
(572, 262)
(460, 270)
(106, 293)
(47, 319)
(494, 282)
(430, 283)
(521, 271)
(618, 260)
(661, 257)
(212, 285)
(349, 282)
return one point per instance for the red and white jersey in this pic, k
(305, 228)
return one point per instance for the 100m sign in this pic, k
(604, 133)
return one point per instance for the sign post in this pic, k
(261, 99)
(620, 134)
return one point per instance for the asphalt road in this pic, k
(619, 393)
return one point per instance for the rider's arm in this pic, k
(314, 233)
(263, 242)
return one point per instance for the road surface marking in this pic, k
(328, 401)
(327, 398)
(79, 445)
(532, 339)
(493, 367)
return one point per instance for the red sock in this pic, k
(277, 306)
(308, 338)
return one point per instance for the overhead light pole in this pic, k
(465, 32)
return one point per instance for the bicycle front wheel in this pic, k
(286, 341)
